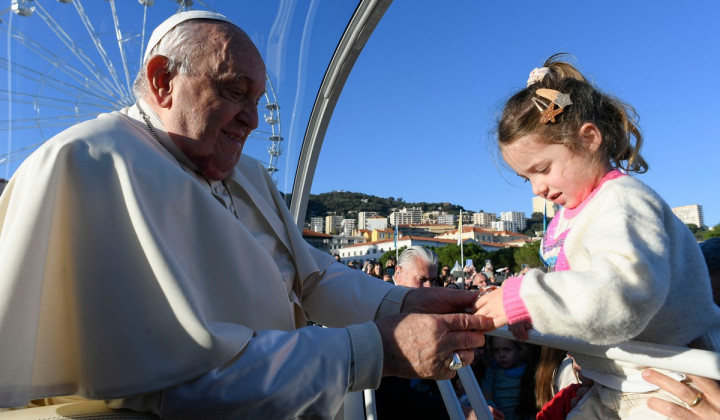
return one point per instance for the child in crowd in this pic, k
(563, 401)
(553, 373)
(507, 383)
(621, 265)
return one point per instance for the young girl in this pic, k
(620, 264)
(507, 383)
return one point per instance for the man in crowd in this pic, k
(416, 267)
(479, 280)
(445, 276)
(401, 397)
(131, 246)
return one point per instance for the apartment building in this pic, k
(691, 214)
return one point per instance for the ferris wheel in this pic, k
(67, 61)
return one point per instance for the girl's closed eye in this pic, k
(544, 170)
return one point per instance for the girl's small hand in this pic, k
(490, 305)
(520, 330)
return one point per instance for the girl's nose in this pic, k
(540, 188)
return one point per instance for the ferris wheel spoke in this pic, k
(60, 79)
(55, 61)
(64, 105)
(101, 50)
(95, 71)
(55, 84)
(120, 41)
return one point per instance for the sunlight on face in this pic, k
(414, 274)
(556, 172)
(214, 111)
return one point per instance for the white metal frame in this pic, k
(362, 24)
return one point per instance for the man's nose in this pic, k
(248, 114)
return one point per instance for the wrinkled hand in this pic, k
(490, 305)
(439, 300)
(520, 330)
(421, 346)
(707, 408)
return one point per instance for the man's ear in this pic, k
(159, 80)
(590, 137)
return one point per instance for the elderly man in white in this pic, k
(131, 245)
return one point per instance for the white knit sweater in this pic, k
(636, 272)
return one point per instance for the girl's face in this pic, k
(556, 172)
(505, 353)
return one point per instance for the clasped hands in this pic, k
(433, 324)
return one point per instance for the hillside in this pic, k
(348, 204)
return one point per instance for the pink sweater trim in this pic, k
(514, 307)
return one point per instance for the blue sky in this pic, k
(424, 133)
(416, 117)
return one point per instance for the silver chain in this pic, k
(232, 208)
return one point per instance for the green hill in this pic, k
(348, 204)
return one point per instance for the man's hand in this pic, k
(422, 346)
(439, 300)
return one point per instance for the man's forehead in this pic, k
(170, 23)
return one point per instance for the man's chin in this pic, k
(216, 174)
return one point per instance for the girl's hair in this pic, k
(616, 120)
(550, 359)
(378, 266)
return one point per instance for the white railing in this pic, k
(678, 359)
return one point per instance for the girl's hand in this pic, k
(520, 330)
(490, 305)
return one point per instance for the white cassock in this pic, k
(123, 273)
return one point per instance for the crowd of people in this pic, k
(132, 245)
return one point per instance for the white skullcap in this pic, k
(174, 21)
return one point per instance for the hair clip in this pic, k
(548, 111)
(537, 74)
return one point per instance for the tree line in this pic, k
(345, 203)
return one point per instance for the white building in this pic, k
(507, 225)
(317, 224)
(333, 224)
(347, 226)
(446, 219)
(372, 251)
(376, 223)
(516, 217)
(412, 216)
(484, 219)
(363, 216)
(541, 205)
(691, 214)
(470, 233)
